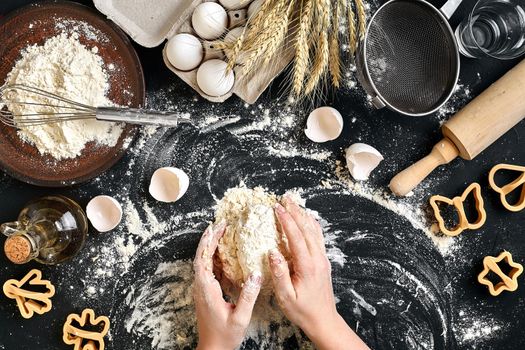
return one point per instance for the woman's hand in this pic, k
(221, 325)
(305, 294)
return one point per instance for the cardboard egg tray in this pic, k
(150, 23)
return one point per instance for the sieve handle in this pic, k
(450, 7)
(442, 153)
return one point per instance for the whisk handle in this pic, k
(139, 116)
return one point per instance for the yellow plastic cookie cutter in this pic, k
(510, 187)
(73, 335)
(30, 302)
(457, 202)
(508, 282)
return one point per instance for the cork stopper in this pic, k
(17, 249)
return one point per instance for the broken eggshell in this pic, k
(324, 124)
(361, 159)
(104, 213)
(168, 184)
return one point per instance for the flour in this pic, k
(62, 65)
(250, 235)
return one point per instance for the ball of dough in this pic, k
(184, 51)
(251, 233)
(209, 20)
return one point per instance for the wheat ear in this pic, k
(334, 63)
(322, 53)
(361, 15)
(302, 47)
(352, 35)
(235, 50)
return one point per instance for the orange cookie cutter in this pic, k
(30, 302)
(457, 202)
(73, 335)
(510, 282)
(510, 187)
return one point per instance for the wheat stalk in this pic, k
(361, 15)
(234, 53)
(334, 64)
(302, 47)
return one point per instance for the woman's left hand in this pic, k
(221, 325)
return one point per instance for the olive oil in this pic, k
(49, 230)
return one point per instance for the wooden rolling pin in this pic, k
(475, 127)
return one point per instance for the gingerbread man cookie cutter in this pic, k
(508, 282)
(458, 203)
(510, 187)
(30, 302)
(85, 339)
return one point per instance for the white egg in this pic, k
(324, 124)
(184, 51)
(234, 4)
(254, 7)
(104, 213)
(209, 20)
(361, 159)
(168, 184)
(213, 79)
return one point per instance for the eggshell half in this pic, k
(324, 124)
(361, 160)
(168, 184)
(209, 20)
(104, 213)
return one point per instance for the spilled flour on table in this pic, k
(407, 299)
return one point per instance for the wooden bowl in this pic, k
(36, 23)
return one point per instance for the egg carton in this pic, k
(151, 23)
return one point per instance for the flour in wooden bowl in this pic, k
(63, 66)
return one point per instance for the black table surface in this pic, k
(446, 309)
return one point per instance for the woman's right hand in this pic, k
(305, 294)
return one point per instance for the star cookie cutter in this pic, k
(510, 187)
(457, 202)
(508, 282)
(30, 302)
(93, 340)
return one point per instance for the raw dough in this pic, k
(251, 233)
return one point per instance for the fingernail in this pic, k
(275, 257)
(220, 227)
(254, 280)
(279, 208)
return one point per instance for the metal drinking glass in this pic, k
(494, 28)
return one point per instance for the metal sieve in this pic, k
(409, 58)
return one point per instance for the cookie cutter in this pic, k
(30, 302)
(508, 282)
(458, 203)
(73, 335)
(510, 187)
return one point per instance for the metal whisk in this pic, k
(70, 110)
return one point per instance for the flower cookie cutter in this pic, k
(94, 340)
(30, 302)
(510, 187)
(508, 282)
(458, 203)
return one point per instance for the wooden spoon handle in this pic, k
(442, 153)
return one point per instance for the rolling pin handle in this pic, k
(442, 153)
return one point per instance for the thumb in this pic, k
(282, 282)
(249, 292)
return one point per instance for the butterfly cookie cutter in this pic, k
(508, 282)
(85, 339)
(510, 187)
(458, 203)
(30, 302)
